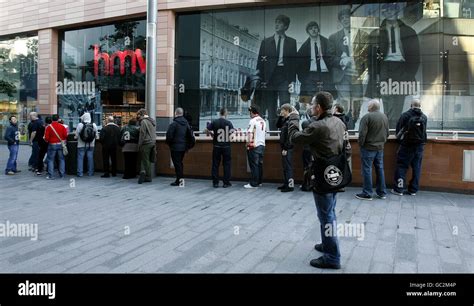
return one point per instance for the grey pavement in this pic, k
(92, 224)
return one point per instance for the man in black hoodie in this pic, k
(411, 133)
(178, 137)
(286, 149)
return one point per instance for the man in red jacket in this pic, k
(53, 135)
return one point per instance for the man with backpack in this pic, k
(86, 134)
(411, 133)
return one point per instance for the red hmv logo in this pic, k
(109, 60)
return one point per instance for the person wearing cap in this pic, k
(276, 70)
(314, 64)
(349, 57)
(256, 133)
(394, 56)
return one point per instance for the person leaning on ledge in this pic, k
(373, 134)
(411, 133)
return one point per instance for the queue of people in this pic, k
(324, 136)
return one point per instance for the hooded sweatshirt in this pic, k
(147, 131)
(12, 135)
(176, 134)
(86, 118)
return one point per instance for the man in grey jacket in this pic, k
(325, 137)
(146, 145)
(373, 134)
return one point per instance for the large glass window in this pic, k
(18, 81)
(102, 71)
(394, 52)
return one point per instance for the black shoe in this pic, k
(174, 184)
(363, 196)
(215, 185)
(411, 193)
(319, 247)
(396, 192)
(105, 175)
(147, 180)
(281, 187)
(141, 178)
(321, 264)
(287, 189)
(227, 185)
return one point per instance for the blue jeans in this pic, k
(89, 151)
(255, 158)
(408, 156)
(326, 207)
(54, 149)
(33, 161)
(367, 159)
(11, 163)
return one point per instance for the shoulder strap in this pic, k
(57, 135)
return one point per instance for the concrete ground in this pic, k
(92, 224)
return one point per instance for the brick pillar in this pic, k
(165, 70)
(47, 71)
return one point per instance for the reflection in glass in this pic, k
(18, 81)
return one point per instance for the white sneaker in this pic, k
(248, 186)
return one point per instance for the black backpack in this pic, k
(415, 132)
(87, 133)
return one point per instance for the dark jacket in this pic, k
(133, 132)
(304, 57)
(147, 131)
(129, 136)
(405, 118)
(338, 45)
(325, 136)
(373, 131)
(12, 135)
(110, 135)
(221, 129)
(268, 58)
(342, 117)
(176, 136)
(379, 43)
(285, 142)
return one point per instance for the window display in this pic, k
(107, 64)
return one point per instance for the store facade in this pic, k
(90, 56)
